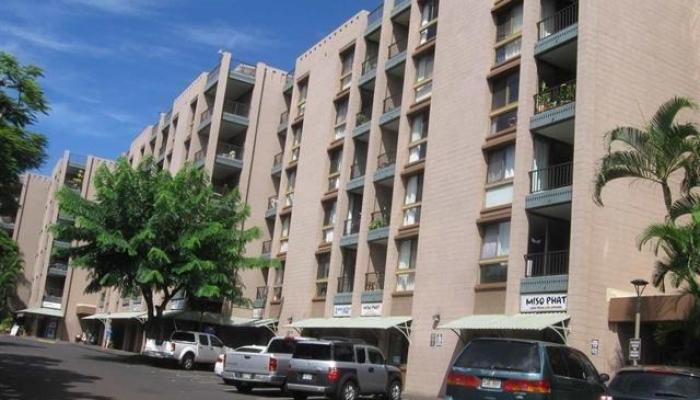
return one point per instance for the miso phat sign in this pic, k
(543, 302)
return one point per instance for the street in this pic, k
(30, 369)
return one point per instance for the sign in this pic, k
(436, 339)
(371, 310)
(257, 313)
(342, 310)
(635, 349)
(543, 302)
(595, 347)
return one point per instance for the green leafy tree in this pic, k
(653, 153)
(21, 99)
(10, 271)
(152, 233)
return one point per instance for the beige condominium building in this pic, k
(51, 296)
(425, 175)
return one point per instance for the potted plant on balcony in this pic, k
(378, 223)
(544, 98)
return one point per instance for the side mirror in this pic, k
(604, 378)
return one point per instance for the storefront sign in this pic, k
(257, 313)
(342, 310)
(543, 302)
(371, 310)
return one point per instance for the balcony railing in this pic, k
(391, 103)
(557, 22)
(59, 268)
(229, 151)
(374, 281)
(261, 293)
(284, 118)
(380, 219)
(345, 284)
(53, 298)
(271, 202)
(375, 15)
(385, 160)
(369, 65)
(556, 96)
(205, 115)
(547, 263)
(266, 247)
(553, 177)
(351, 226)
(243, 68)
(236, 108)
(397, 47)
(363, 116)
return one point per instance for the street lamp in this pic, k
(639, 285)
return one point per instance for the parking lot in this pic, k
(31, 369)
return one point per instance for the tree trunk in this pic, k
(668, 200)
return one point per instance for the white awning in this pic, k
(119, 315)
(218, 319)
(49, 312)
(384, 323)
(517, 322)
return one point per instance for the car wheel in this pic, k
(187, 361)
(243, 388)
(298, 396)
(229, 382)
(394, 391)
(348, 391)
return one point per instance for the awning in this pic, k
(653, 308)
(384, 323)
(138, 315)
(517, 322)
(85, 309)
(219, 319)
(49, 312)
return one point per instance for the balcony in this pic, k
(60, 244)
(199, 158)
(271, 207)
(351, 227)
(260, 297)
(276, 294)
(374, 19)
(391, 109)
(52, 300)
(379, 227)
(397, 57)
(242, 73)
(400, 6)
(8, 224)
(57, 269)
(266, 248)
(550, 186)
(212, 77)
(345, 286)
(288, 82)
(77, 161)
(230, 156)
(276, 165)
(547, 263)
(557, 35)
(363, 121)
(236, 113)
(374, 287)
(369, 71)
(284, 121)
(386, 166)
(357, 178)
(555, 109)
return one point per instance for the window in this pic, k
(312, 351)
(341, 111)
(557, 362)
(375, 357)
(282, 346)
(508, 51)
(501, 164)
(203, 340)
(509, 22)
(328, 221)
(573, 363)
(418, 145)
(496, 242)
(405, 276)
(360, 355)
(493, 273)
(495, 354)
(334, 169)
(301, 105)
(215, 341)
(343, 352)
(412, 199)
(428, 12)
(182, 337)
(505, 90)
(324, 264)
(424, 77)
(346, 60)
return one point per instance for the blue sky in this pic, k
(112, 65)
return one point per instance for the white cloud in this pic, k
(227, 38)
(33, 37)
(121, 7)
(77, 120)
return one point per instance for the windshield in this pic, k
(503, 355)
(660, 385)
(313, 351)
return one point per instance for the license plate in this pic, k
(246, 376)
(488, 383)
(307, 377)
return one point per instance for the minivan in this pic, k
(509, 369)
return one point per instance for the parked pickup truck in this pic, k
(186, 348)
(264, 369)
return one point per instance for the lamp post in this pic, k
(639, 285)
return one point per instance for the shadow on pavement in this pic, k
(111, 358)
(257, 392)
(52, 383)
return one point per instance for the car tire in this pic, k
(298, 395)
(393, 392)
(243, 388)
(187, 362)
(347, 391)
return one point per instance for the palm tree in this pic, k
(653, 153)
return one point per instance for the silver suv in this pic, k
(341, 370)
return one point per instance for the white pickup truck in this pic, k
(186, 348)
(264, 369)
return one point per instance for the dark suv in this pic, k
(652, 382)
(341, 370)
(505, 369)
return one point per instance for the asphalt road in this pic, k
(30, 370)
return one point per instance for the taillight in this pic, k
(518, 385)
(333, 374)
(221, 358)
(468, 381)
(172, 347)
(272, 364)
(605, 397)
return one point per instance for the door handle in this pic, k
(246, 357)
(371, 369)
